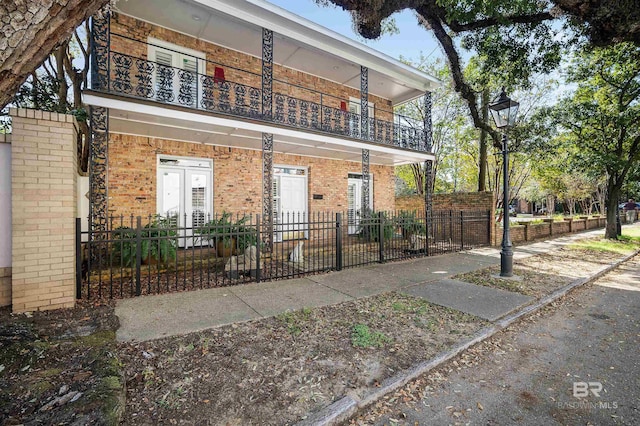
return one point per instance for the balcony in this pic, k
(227, 90)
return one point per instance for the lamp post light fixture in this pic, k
(504, 112)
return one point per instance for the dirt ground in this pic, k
(59, 367)
(276, 370)
(542, 274)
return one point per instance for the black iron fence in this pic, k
(205, 86)
(137, 256)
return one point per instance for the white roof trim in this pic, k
(290, 25)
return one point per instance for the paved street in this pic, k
(528, 374)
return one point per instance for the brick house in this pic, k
(199, 107)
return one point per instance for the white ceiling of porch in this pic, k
(129, 121)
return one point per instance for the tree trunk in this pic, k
(31, 30)
(482, 161)
(613, 194)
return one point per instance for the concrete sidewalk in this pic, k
(152, 317)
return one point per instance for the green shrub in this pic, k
(159, 242)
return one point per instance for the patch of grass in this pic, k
(40, 387)
(294, 320)
(363, 337)
(625, 244)
(97, 340)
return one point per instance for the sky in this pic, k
(409, 43)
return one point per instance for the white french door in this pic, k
(290, 202)
(354, 200)
(185, 195)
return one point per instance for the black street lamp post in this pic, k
(504, 112)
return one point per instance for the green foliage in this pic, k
(223, 228)
(295, 320)
(159, 242)
(363, 337)
(369, 227)
(409, 223)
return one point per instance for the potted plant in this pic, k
(228, 236)
(369, 227)
(409, 224)
(158, 243)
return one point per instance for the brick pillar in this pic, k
(44, 169)
(5, 219)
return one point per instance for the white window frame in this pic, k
(178, 56)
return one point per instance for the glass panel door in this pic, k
(354, 200)
(185, 198)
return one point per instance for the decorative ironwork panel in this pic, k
(100, 45)
(315, 115)
(122, 73)
(187, 90)
(279, 116)
(225, 104)
(338, 117)
(365, 182)
(364, 101)
(165, 83)
(428, 131)
(326, 118)
(208, 92)
(292, 111)
(267, 188)
(254, 102)
(241, 92)
(304, 113)
(98, 162)
(267, 73)
(144, 86)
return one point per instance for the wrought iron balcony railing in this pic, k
(141, 78)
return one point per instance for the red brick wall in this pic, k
(237, 176)
(227, 58)
(453, 201)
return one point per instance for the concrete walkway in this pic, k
(153, 317)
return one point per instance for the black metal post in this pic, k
(138, 253)
(258, 248)
(78, 258)
(506, 254)
(339, 241)
(380, 237)
(618, 223)
(461, 230)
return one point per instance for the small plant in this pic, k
(293, 320)
(363, 337)
(409, 224)
(159, 242)
(369, 227)
(224, 230)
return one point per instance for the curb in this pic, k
(342, 409)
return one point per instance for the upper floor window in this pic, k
(176, 72)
